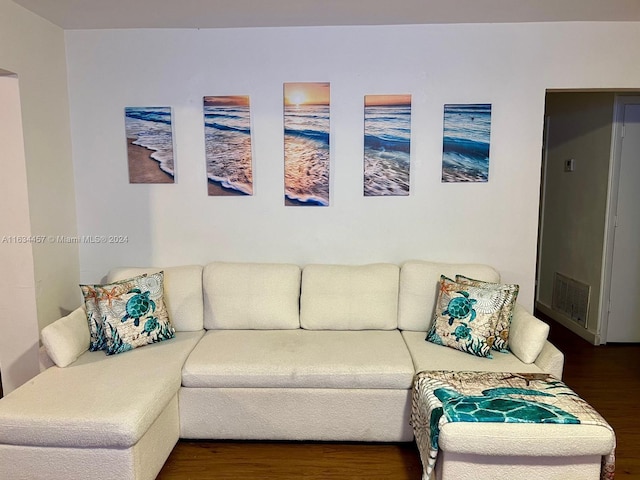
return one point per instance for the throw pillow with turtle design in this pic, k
(508, 294)
(133, 313)
(465, 317)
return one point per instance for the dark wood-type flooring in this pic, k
(608, 377)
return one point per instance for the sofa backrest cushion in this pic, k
(344, 297)
(182, 293)
(251, 296)
(419, 289)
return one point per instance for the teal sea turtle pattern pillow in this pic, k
(128, 314)
(96, 331)
(465, 317)
(92, 295)
(510, 294)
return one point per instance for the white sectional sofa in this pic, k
(262, 351)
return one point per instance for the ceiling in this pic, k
(92, 14)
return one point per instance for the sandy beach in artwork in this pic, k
(306, 144)
(228, 150)
(218, 190)
(143, 168)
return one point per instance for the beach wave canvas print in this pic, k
(149, 144)
(466, 141)
(227, 133)
(387, 142)
(306, 144)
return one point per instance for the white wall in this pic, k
(580, 127)
(507, 65)
(38, 184)
(18, 346)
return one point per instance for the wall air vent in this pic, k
(571, 298)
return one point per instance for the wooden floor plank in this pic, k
(608, 377)
(205, 460)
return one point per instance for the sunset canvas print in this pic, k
(387, 142)
(466, 141)
(227, 134)
(149, 144)
(306, 144)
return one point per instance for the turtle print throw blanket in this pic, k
(444, 396)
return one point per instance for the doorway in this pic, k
(578, 202)
(622, 320)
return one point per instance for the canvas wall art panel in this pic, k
(149, 144)
(228, 147)
(387, 145)
(306, 144)
(466, 142)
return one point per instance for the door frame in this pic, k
(612, 207)
(543, 187)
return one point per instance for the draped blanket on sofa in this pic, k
(440, 397)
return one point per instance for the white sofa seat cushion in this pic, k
(97, 401)
(182, 292)
(299, 359)
(419, 289)
(251, 296)
(429, 356)
(345, 297)
(531, 440)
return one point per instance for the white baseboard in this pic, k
(565, 321)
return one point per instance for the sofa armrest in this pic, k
(67, 338)
(551, 360)
(527, 335)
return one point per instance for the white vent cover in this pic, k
(571, 298)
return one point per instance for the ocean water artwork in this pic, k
(466, 142)
(387, 145)
(149, 132)
(306, 144)
(228, 151)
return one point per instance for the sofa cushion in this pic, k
(510, 295)
(521, 439)
(419, 289)
(527, 335)
(343, 297)
(99, 401)
(429, 356)
(97, 340)
(182, 291)
(466, 317)
(299, 359)
(93, 296)
(67, 338)
(133, 313)
(251, 296)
